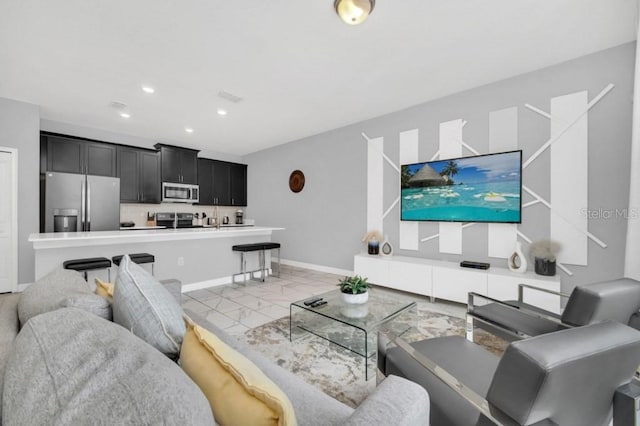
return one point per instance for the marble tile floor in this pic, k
(237, 308)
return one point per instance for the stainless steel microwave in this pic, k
(180, 193)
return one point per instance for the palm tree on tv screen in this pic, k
(450, 170)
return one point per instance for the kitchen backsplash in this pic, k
(137, 213)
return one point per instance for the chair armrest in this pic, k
(550, 316)
(449, 380)
(522, 286)
(396, 401)
(383, 345)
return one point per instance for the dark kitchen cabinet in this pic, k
(238, 184)
(139, 173)
(205, 181)
(222, 183)
(179, 165)
(150, 177)
(75, 155)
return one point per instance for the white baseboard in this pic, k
(22, 287)
(319, 268)
(218, 282)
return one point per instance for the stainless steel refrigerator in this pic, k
(76, 202)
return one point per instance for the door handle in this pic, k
(83, 198)
(88, 206)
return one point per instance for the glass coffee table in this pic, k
(354, 327)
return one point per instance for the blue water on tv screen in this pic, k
(484, 188)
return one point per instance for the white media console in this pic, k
(447, 280)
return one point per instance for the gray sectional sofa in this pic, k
(63, 362)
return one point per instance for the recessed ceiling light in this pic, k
(222, 111)
(188, 129)
(148, 89)
(125, 115)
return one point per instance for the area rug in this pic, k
(338, 372)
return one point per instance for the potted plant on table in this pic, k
(354, 289)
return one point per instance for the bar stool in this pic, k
(260, 248)
(247, 248)
(88, 264)
(138, 258)
(271, 246)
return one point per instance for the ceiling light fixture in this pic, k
(222, 111)
(125, 115)
(188, 129)
(148, 89)
(354, 12)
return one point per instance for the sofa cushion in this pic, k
(312, 406)
(71, 367)
(9, 327)
(60, 288)
(143, 306)
(238, 392)
(104, 290)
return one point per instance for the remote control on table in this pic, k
(312, 301)
(319, 303)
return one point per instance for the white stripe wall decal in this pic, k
(503, 136)
(409, 231)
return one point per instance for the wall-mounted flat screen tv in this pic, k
(483, 188)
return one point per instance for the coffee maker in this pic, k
(239, 217)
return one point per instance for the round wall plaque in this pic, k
(296, 181)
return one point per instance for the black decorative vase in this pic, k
(374, 247)
(545, 267)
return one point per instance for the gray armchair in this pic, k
(564, 378)
(615, 300)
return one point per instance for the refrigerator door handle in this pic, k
(83, 197)
(88, 206)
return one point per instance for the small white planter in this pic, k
(355, 299)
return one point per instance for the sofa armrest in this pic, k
(522, 286)
(539, 313)
(396, 401)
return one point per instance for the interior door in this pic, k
(8, 246)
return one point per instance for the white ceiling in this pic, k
(300, 70)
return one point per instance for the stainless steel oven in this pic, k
(180, 193)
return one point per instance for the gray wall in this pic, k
(326, 221)
(20, 128)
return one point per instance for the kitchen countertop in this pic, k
(137, 228)
(143, 235)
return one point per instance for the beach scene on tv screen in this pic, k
(472, 189)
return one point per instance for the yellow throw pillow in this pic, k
(104, 289)
(238, 392)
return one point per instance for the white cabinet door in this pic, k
(505, 287)
(411, 277)
(502, 287)
(8, 254)
(455, 284)
(375, 268)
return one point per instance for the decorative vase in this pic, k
(545, 267)
(373, 247)
(386, 249)
(517, 261)
(355, 299)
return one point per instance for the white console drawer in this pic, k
(411, 277)
(455, 284)
(372, 267)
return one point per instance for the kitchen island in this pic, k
(199, 257)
